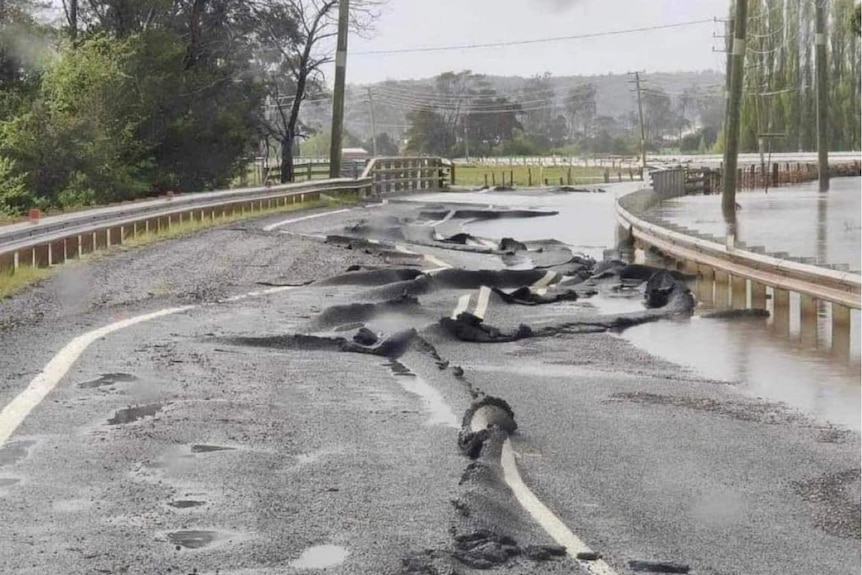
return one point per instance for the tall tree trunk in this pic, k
(287, 169)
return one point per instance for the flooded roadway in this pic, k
(764, 359)
(798, 219)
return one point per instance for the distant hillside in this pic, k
(614, 97)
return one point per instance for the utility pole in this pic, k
(731, 135)
(822, 96)
(641, 118)
(728, 47)
(373, 124)
(466, 139)
(338, 95)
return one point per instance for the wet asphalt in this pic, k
(211, 441)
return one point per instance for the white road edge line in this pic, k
(545, 517)
(283, 223)
(482, 302)
(463, 304)
(17, 410)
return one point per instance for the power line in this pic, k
(533, 41)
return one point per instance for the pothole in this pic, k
(210, 448)
(186, 503)
(192, 539)
(320, 557)
(107, 379)
(132, 414)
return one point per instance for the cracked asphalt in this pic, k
(215, 440)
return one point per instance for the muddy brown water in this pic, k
(785, 366)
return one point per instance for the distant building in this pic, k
(354, 154)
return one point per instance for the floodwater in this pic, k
(798, 219)
(775, 361)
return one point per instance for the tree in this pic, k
(490, 120)
(580, 111)
(541, 112)
(428, 133)
(296, 43)
(386, 146)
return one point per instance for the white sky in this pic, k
(416, 23)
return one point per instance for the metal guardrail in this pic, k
(55, 239)
(843, 288)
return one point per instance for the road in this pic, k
(162, 416)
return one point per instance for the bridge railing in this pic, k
(395, 174)
(56, 239)
(837, 287)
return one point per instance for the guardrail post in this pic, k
(42, 256)
(722, 290)
(100, 238)
(781, 311)
(808, 319)
(57, 252)
(704, 289)
(738, 292)
(841, 326)
(758, 295)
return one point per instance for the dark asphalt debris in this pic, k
(658, 567)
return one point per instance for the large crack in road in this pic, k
(315, 428)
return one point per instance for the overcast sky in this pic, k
(418, 23)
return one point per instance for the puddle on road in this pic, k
(107, 379)
(14, 452)
(132, 414)
(210, 448)
(441, 413)
(320, 557)
(186, 503)
(192, 539)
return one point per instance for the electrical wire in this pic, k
(532, 41)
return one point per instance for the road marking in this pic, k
(463, 304)
(283, 223)
(17, 410)
(259, 293)
(545, 517)
(482, 302)
(448, 217)
(545, 281)
(437, 262)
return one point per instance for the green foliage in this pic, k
(780, 79)
(115, 119)
(14, 198)
(428, 133)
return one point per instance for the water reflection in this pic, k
(799, 220)
(803, 364)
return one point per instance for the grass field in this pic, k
(535, 176)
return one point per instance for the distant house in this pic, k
(354, 154)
